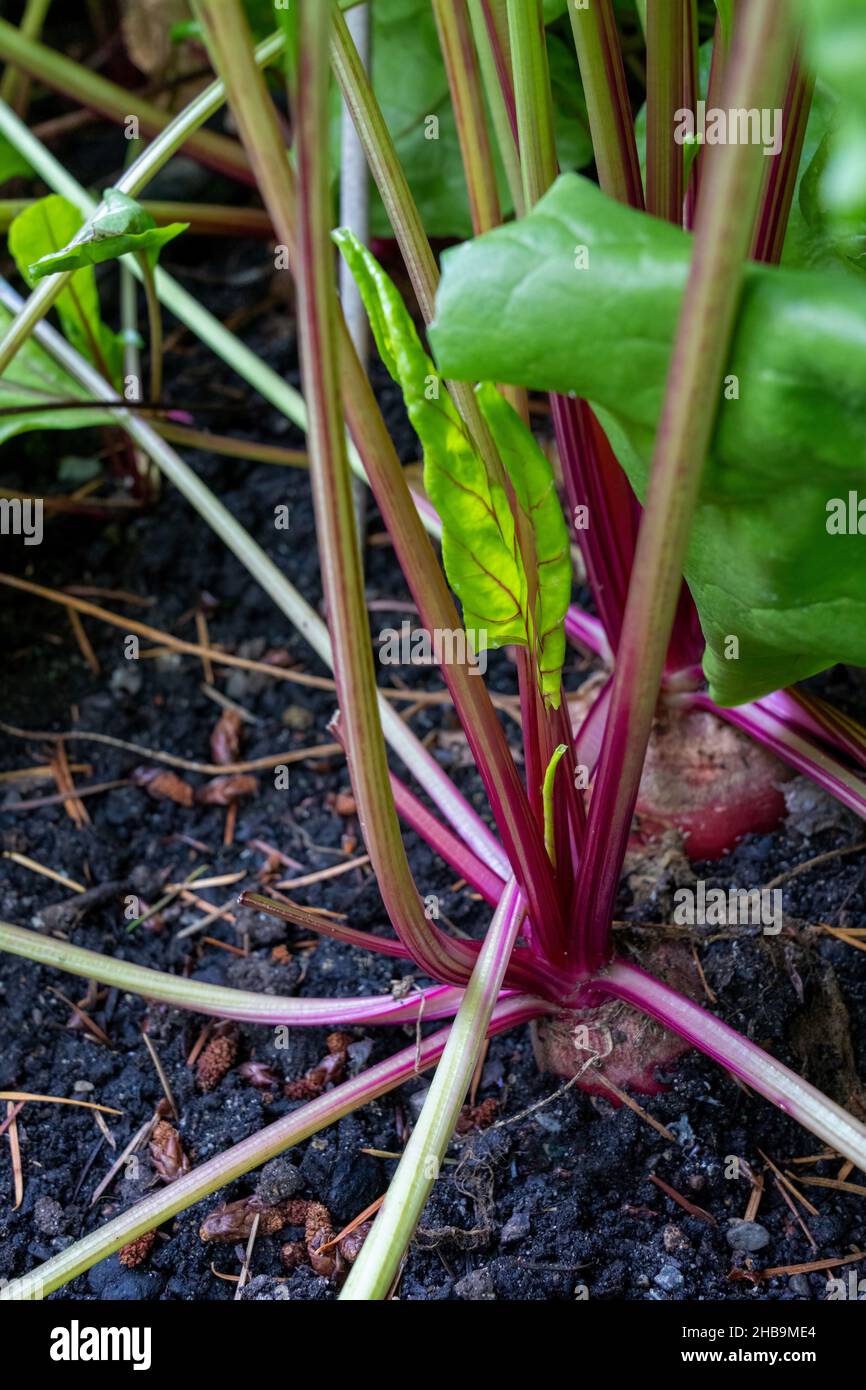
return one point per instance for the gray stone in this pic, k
(48, 1216)
(516, 1228)
(279, 1180)
(263, 1289)
(476, 1287)
(799, 1285)
(669, 1277)
(747, 1235)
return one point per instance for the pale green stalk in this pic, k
(505, 136)
(532, 94)
(220, 1001)
(376, 1267)
(14, 83)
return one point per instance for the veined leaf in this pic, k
(120, 226)
(47, 226)
(480, 549)
(583, 295)
(34, 380)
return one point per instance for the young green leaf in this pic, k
(583, 295)
(120, 226)
(32, 383)
(44, 227)
(480, 548)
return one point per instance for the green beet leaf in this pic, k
(583, 295)
(835, 46)
(482, 558)
(41, 229)
(120, 226)
(33, 383)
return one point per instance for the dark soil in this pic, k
(546, 1205)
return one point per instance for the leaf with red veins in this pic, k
(505, 544)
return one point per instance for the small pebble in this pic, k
(48, 1216)
(298, 718)
(674, 1239)
(476, 1287)
(669, 1277)
(278, 1180)
(747, 1235)
(516, 1228)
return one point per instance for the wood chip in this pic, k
(682, 1201)
(637, 1109)
(15, 1152)
(334, 872)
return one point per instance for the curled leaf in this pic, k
(260, 1075)
(120, 225)
(41, 230)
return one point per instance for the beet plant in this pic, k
(707, 405)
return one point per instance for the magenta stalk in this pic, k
(588, 632)
(449, 848)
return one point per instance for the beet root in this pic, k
(703, 778)
(624, 1045)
